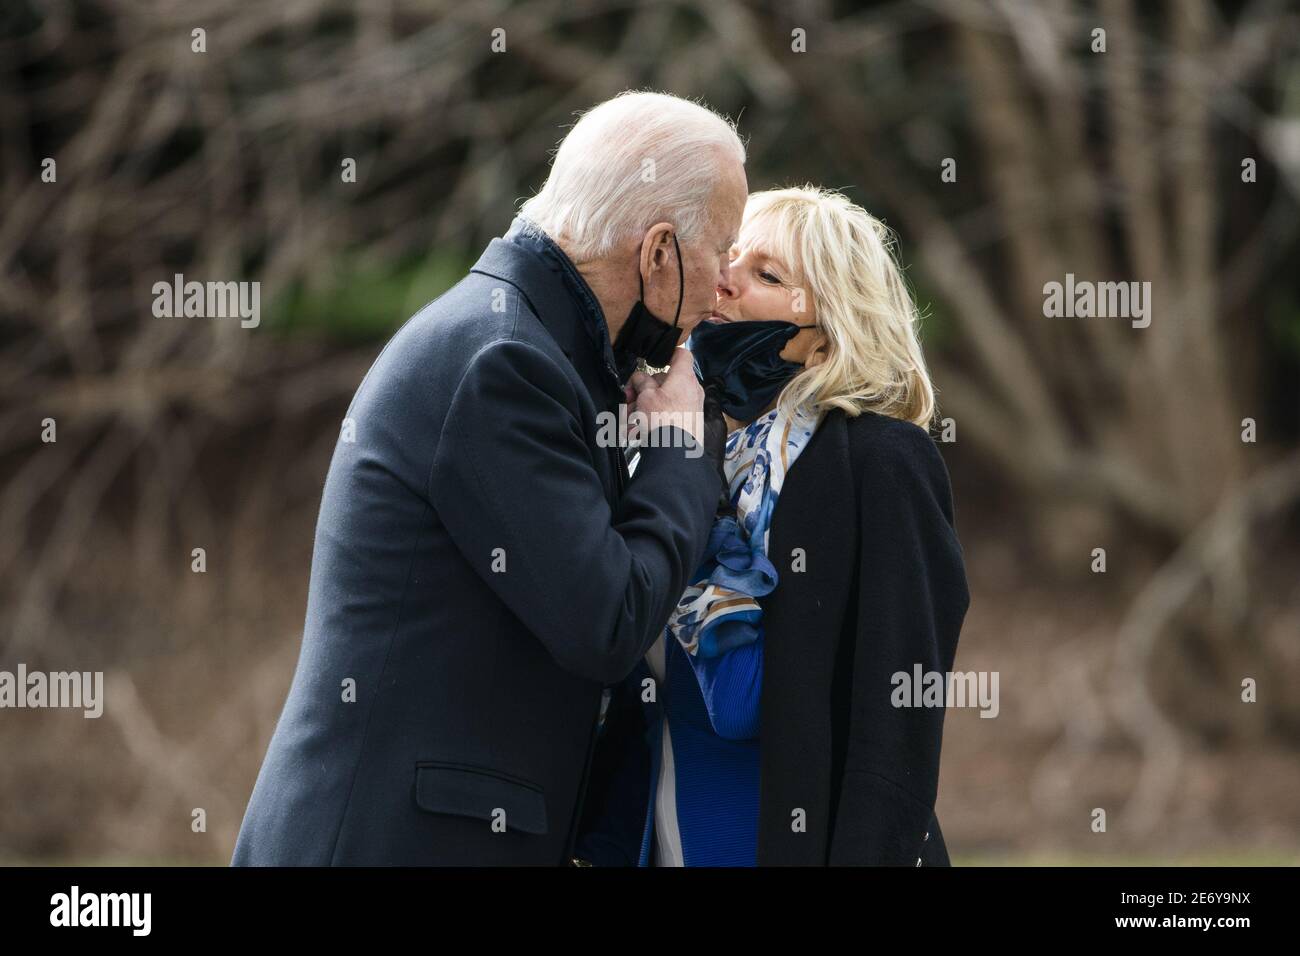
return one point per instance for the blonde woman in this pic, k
(787, 715)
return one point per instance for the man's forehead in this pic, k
(729, 225)
(736, 194)
(729, 207)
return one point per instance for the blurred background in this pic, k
(1169, 154)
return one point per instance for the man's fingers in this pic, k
(683, 363)
(640, 381)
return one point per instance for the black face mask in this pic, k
(646, 336)
(740, 364)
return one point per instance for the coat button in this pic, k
(918, 861)
(926, 837)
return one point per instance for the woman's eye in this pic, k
(769, 278)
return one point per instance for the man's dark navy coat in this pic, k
(483, 566)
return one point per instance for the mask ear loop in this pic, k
(681, 281)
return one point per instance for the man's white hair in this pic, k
(628, 163)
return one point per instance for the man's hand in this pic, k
(673, 397)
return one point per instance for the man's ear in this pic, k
(656, 248)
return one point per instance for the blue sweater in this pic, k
(712, 708)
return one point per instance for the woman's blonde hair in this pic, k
(843, 259)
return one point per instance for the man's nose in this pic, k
(726, 283)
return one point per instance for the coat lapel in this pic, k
(802, 619)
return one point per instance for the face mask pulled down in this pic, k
(740, 364)
(646, 336)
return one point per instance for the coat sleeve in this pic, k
(513, 480)
(911, 599)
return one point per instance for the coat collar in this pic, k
(532, 262)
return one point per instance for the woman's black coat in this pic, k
(872, 584)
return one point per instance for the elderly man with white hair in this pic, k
(485, 565)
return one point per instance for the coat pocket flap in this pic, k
(480, 793)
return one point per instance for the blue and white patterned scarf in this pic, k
(720, 610)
